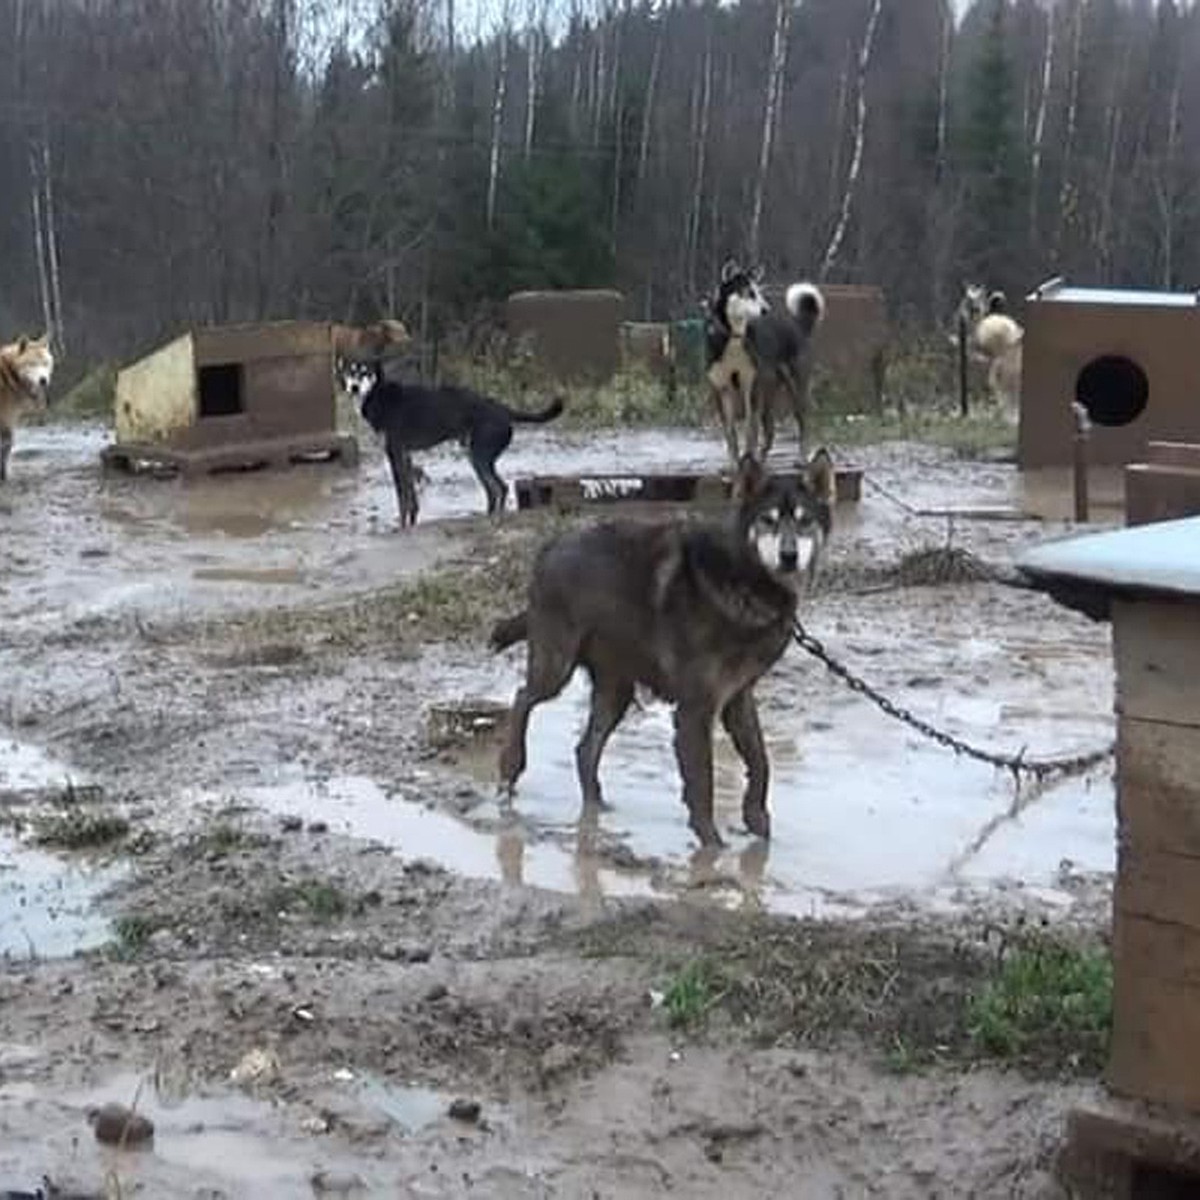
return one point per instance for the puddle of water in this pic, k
(412, 1108)
(46, 900)
(359, 808)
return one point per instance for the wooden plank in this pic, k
(1174, 454)
(1160, 493)
(1114, 1147)
(1157, 884)
(1156, 650)
(672, 487)
(1158, 786)
(247, 343)
(1155, 1048)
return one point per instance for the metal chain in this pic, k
(1017, 764)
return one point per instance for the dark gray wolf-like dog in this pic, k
(695, 611)
(415, 417)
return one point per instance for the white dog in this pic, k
(994, 339)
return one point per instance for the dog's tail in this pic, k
(806, 303)
(509, 632)
(552, 410)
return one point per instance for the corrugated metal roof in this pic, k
(1083, 295)
(1160, 557)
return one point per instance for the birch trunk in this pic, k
(783, 16)
(531, 87)
(39, 244)
(939, 161)
(1167, 203)
(860, 136)
(1067, 188)
(839, 136)
(698, 178)
(497, 126)
(52, 247)
(1039, 126)
(648, 109)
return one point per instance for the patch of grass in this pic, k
(916, 996)
(132, 933)
(221, 838)
(320, 900)
(79, 829)
(1046, 996)
(691, 992)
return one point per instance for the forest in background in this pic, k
(167, 162)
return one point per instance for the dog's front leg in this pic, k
(750, 411)
(693, 751)
(740, 718)
(6, 443)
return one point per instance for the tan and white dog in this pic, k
(995, 340)
(26, 368)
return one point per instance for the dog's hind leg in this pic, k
(693, 750)
(740, 718)
(486, 445)
(611, 698)
(400, 462)
(549, 667)
(6, 443)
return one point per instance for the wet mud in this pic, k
(186, 646)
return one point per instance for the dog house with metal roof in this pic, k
(231, 396)
(1130, 358)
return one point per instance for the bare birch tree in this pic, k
(1039, 125)
(775, 72)
(860, 135)
(497, 122)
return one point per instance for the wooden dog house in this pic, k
(1144, 1139)
(573, 335)
(231, 396)
(1130, 358)
(850, 344)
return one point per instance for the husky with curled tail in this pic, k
(781, 345)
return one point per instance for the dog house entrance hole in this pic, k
(1113, 389)
(221, 390)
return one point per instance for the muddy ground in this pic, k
(271, 908)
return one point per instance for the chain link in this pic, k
(1017, 764)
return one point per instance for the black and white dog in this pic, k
(415, 417)
(754, 352)
(737, 300)
(781, 345)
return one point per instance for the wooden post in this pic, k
(1082, 430)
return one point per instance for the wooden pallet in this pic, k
(1122, 1150)
(144, 457)
(673, 487)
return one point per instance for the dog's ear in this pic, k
(729, 270)
(22, 344)
(821, 476)
(749, 480)
(759, 273)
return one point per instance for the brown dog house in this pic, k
(850, 344)
(1130, 358)
(232, 396)
(572, 335)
